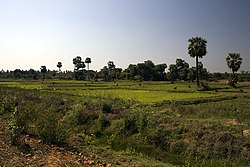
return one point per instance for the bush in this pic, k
(6, 106)
(204, 85)
(16, 127)
(80, 116)
(107, 108)
(50, 130)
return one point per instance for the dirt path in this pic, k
(34, 153)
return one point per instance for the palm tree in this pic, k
(197, 48)
(88, 61)
(234, 61)
(59, 65)
(43, 71)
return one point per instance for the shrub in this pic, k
(50, 130)
(100, 124)
(107, 107)
(6, 106)
(204, 85)
(80, 116)
(16, 127)
(130, 126)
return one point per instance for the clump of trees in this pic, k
(145, 71)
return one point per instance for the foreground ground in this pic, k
(68, 123)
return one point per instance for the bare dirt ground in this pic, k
(33, 152)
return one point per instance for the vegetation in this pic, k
(43, 71)
(174, 123)
(59, 65)
(197, 49)
(145, 113)
(233, 61)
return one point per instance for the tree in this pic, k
(59, 65)
(43, 71)
(149, 71)
(104, 73)
(78, 68)
(131, 71)
(183, 68)
(111, 67)
(88, 61)
(173, 72)
(191, 74)
(197, 48)
(233, 62)
(160, 71)
(140, 69)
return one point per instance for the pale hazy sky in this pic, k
(43, 32)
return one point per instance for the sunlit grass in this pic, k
(144, 96)
(144, 92)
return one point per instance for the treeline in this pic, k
(146, 71)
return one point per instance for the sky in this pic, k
(43, 32)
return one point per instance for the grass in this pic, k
(154, 123)
(147, 92)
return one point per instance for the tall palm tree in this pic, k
(43, 71)
(234, 61)
(88, 61)
(59, 65)
(197, 48)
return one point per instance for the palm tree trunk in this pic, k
(88, 71)
(43, 77)
(197, 72)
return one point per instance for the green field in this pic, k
(145, 123)
(145, 92)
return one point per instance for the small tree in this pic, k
(233, 62)
(43, 71)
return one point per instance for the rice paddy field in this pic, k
(141, 123)
(143, 92)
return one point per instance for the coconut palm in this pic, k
(59, 65)
(197, 48)
(234, 61)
